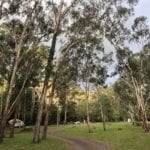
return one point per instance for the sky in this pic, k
(142, 9)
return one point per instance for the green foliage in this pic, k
(71, 112)
(53, 114)
(81, 111)
(117, 116)
(106, 106)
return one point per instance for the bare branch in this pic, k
(129, 84)
(64, 50)
(16, 101)
(68, 8)
(59, 17)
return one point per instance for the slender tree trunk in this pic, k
(2, 127)
(24, 108)
(7, 103)
(140, 99)
(132, 114)
(48, 71)
(87, 109)
(66, 110)
(20, 94)
(17, 109)
(142, 108)
(12, 107)
(144, 113)
(132, 118)
(33, 102)
(12, 127)
(145, 121)
(44, 132)
(39, 116)
(11, 84)
(1, 102)
(58, 116)
(103, 117)
(102, 112)
(59, 17)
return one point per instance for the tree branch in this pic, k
(68, 8)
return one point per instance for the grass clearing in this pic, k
(23, 141)
(127, 138)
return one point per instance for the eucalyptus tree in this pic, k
(96, 20)
(29, 74)
(48, 106)
(88, 57)
(99, 81)
(127, 100)
(136, 77)
(138, 83)
(98, 78)
(133, 67)
(22, 31)
(117, 34)
(105, 108)
(58, 17)
(63, 76)
(66, 77)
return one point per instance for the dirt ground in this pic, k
(78, 143)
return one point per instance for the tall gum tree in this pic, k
(100, 19)
(58, 18)
(135, 72)
(28, 15)
(12, 79)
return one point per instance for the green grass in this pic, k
(129, 138)
(23, 141)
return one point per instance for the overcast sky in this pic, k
(143, 8)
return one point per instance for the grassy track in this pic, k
(23, 141)
(128, 137)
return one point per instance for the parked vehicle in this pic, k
(77, 122)
(19, 123)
